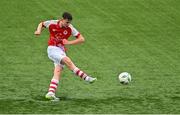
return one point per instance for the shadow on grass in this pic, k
(87, 100)
(38, 104)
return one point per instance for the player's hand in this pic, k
(65, 42)
(37, 33)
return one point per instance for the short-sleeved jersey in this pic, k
(57, 33)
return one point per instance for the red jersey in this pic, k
(57, 33)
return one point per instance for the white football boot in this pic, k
(51, 96)
(91, 79)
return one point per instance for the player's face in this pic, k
(65, 22)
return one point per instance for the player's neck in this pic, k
(61, 25)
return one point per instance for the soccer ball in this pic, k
(124, 78)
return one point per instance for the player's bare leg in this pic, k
(67, 61)
(54, 83)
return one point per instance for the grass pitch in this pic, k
(137, 36)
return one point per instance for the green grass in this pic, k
(137, 36)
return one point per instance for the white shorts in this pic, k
(56, 54)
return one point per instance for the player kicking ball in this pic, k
(60, 31)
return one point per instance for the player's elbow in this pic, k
(81, 39)
(41, 24)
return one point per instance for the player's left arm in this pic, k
(80, 39)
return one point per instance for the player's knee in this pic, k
(57, 72)
(67, 61)
(57, 68)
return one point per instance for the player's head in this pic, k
(67, 18)
(67, 15)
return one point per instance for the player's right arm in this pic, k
(39, 29)
(44, 24)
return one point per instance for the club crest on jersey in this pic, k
(65, 32)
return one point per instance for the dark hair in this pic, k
(67, 15)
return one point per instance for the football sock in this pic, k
(53, 85)
(81, 74)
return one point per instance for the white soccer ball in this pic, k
(124, 77)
